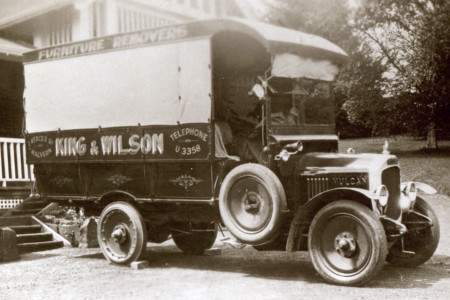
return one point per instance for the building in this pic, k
(30, 24)
(52, 22)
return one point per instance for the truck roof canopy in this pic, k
(166, 75)
(275, 39)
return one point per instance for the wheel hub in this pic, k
(119, 234)
(345, 244)
(252, 202)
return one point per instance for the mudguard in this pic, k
(305, 213)
(426, 188)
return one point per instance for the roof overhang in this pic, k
(12, 51)
(17, 11)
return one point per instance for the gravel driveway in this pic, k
(73, 273)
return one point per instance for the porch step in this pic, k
(39, 246)
(24, 211)
(34, 237)
(34, 204)
(31, 236)
(14, 221)
(23, 229)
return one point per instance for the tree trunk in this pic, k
(431, 138)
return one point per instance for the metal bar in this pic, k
(308, 187)
(316, 189)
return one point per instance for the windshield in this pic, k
(301, 102)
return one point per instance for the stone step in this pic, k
(39, 246)
(34, 237)
(34, 204)
(31, 211)
(21, 229)
(14, 221)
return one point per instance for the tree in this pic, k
(397, 76)
(358, 93)
(328, 19)
(412, 40)
(361, 86)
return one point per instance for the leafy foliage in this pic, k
(412, 39)
(326, 18)
(397, 78)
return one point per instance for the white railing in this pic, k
(6, 204)
(13, 165)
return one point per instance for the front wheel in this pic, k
(122, 233)
(347, 243)
(251, 202)
(193, 238)
(420, 241)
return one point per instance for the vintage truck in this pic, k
(178, 131)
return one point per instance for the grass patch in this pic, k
(416, 162)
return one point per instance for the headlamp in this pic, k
(410, 191)
(382, 195)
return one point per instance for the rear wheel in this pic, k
(158, 233)
(194, 238)
(420, 241)
(251, 201)
(121, 233)
(347, 243)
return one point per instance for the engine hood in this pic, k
(319, 163)
(322, 171)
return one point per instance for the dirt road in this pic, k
(73, 273)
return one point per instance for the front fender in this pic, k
(426, 188)
(305, 214)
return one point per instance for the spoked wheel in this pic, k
(421, 240)
(194, 238)
(250, 202)
(347, 243)
(122, 234)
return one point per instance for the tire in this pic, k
(194, 242)
(251, 201)
(122, 233)
(421, 241)
(347, 243)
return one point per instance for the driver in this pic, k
(284, 110)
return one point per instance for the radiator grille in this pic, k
(316, 185)
(311, 185)
(391, 179)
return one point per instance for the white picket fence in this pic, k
(13, 165)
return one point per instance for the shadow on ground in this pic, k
(287, 266)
